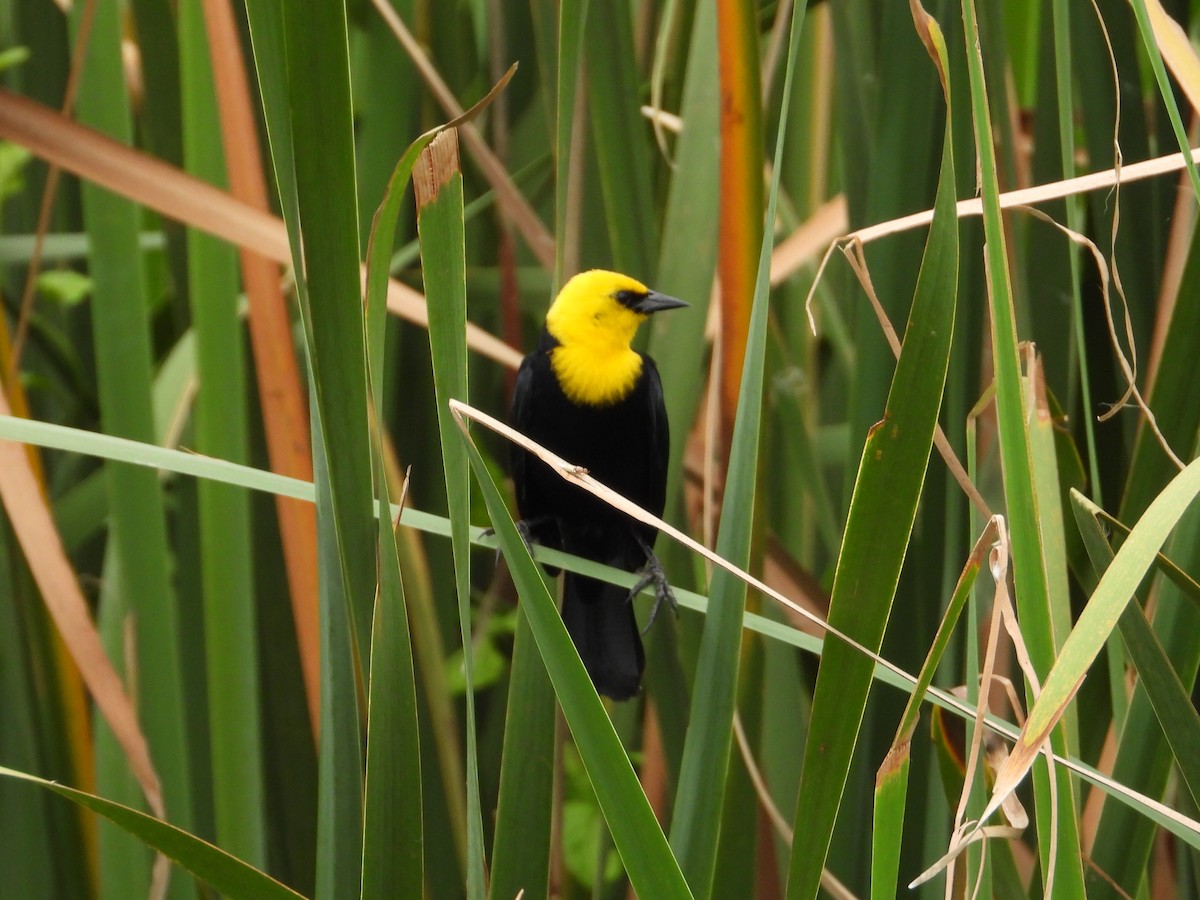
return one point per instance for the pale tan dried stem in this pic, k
(1057, 190)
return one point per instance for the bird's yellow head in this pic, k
(594, 319)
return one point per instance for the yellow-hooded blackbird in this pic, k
(586, 394)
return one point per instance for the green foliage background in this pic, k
(420, 750)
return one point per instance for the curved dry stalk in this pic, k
(1128, 367)
(782, 828)
(1118, 163)
(1004, 615)
(963, 830)
(829, 881)
(851, 246)
(511, 200)
(858, 263)
(959, 842)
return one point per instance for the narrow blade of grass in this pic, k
(891, 792)
(686, 259)
(339, 752)
(1048, 486)
(439, 192)
(619, 132)
(393, 836)
(322, 137)
(1064, 95)
(314, 44)
(521, 849)
(393, 832)
(1150, 41)
(1034, 609)
(572, 17)
(653, 871)
(1095, 624)
(699, 800)
(212, 865)
(281, 393)
(124, 360)
(879, 524)
(1172, 703)
(230, 627)
(393, 748)
(891, 781)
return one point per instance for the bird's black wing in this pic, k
(658, 436)
(523, 404)
(539, 516)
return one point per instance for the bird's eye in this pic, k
(626, 298)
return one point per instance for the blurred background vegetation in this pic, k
(161, 160)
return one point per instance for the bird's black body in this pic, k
(623, 445)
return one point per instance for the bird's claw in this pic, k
(524, 529)
(652, 573)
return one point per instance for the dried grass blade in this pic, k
(172, 193)
(39, 539)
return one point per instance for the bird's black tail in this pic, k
(600, 620)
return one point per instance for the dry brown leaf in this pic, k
(38, 536)
(178, 196)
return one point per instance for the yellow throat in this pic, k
(593, 362)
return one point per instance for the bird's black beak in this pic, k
(655, 302)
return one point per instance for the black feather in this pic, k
(625, 445)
